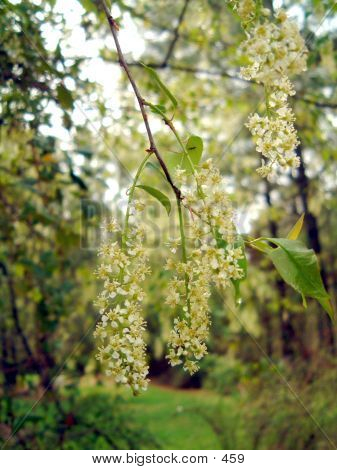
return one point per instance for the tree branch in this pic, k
(225, 74)
(153, 148)
(213, 73)
(176, 34)
(318, 104)
(188, 69)
(14, 309)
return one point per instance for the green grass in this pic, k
(180, 419)
(101, 416)
(173, 417)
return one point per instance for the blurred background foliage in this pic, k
(70, 137)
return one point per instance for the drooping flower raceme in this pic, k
(274, 52)
(191, 326)
(121, 327)
(207, 263)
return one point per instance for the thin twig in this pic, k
(318, 104)
(153, 148)
(176, 34)
(220, 73)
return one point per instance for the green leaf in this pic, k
(152, 166)
(155, 77)
(162, 198)
(296, 230)
(88, 5)
(299, 268)
(327, 305)
(178, 160)
(155, 167)
(157, 109)
(260, 245)
(194, 148)
(64, 97)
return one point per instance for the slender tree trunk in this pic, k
(285, 320)
(325, 326)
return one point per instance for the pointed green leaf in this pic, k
(327, 305)
(296, 230)
(152, 166)
(177, 160)
(155, 77)
(157, 109)
(161, 197)
(194, 148)
(260, 245)
(299, 268)
(155, 167)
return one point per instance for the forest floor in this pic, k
(175, 417)
(98, 415)
(185, 419)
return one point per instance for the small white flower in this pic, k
(274, 51)
(120, 330)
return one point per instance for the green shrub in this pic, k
(96, 421)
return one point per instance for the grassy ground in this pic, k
(183, 419)
(174, 418)
(99, 416)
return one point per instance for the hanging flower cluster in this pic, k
(121, 327)
(274, 52)
(207, 263)
(189, 291)
(207, 197)
(211, 251)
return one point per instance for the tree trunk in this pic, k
(325, 326)
(285, 318)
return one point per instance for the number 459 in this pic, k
(233, 458)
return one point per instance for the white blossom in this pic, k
(121, 328)
(274, 52)
(190, 288)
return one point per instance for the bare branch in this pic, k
(176, 34)
(153, 148)
(225, 74)
(318, 104)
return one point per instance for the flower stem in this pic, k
(131, 193)
(184, 252)
(141, 102)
